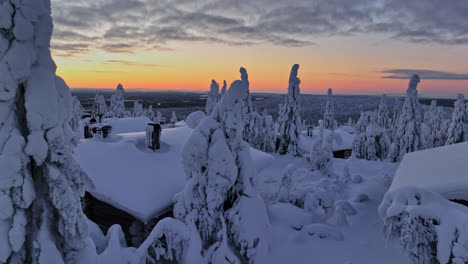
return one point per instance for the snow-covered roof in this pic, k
(443, 170)
(135, 179)
(346, 141)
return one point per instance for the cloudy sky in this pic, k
(359, 46)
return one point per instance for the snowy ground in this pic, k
(143, 183)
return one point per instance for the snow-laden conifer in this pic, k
(99, 107)
(329, 121)
(137, 109)
(290, 119)
(458, 130)
(117, 106)
(213, 97)
(409, 136)
(41, 219)
(223, 90)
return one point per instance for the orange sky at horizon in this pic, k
(350, 68)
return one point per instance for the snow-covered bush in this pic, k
(219, 170)
(117, 106)
(150, 113)
(99, 106)
(363, 122)
(458, 130)
(329, 121)
(290, 119)
(213, 97)
(430, 228)
(194, 119)
(409, 136)
(137, 109)
(41, 219)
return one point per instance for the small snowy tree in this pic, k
(223, 90)
(290, 119)
(260, 133)
(321, 154)
(159, 117)
(443, 133)
(373, 144)
(409, 136)
(117, 106)
(363, 122)
(150, 113)
(41, 219)
(458, 130)
(137, 109)
(173, 118)
(218, 197)
(350, 122)
(213, 97)
(329, 121)
(78, 111)
(99, 106)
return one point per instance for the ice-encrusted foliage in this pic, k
(41, 219)
(409, 136)
(137, 109)
(99, 106)
(223, 90)
(117, 103)
(213, 97)
(290, 119)
(373, 144)
(219, 170)
(432, 119)
(329, 121)
(430, 228)
(458, 130)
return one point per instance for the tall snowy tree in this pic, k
(383, 116)
(159, 116)
(458, 130)
(290, 119)
(41, 219)
(397, 106)
(218, 197)
(432, 120)
(137, 109)
(329, 121)
(363, 122)
(173, 117)
(443, 133)
(117, 103)
(409, 136)
(78, 111)
(99, 106)
(223, 90)
(213, 97)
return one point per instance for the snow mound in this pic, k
(194, 119)
(441, 170)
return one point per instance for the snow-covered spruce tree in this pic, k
(269, 135)
(218, 197)
(383, 116)
(78, 111)
(363, 122)
(213, 97)
(137, 109)
(41, 219)
(443, 133)
(321, 154)
(409, 136)
(223, 90)
(350, 122)
(373, 144)
(458, 130)
(290, 119)
(117, 105)
(329, 121)
(397, 106)
(433, 122)
(173, 117)
(99, 106)
(260, 132)
(150, 113)
(159, 116)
